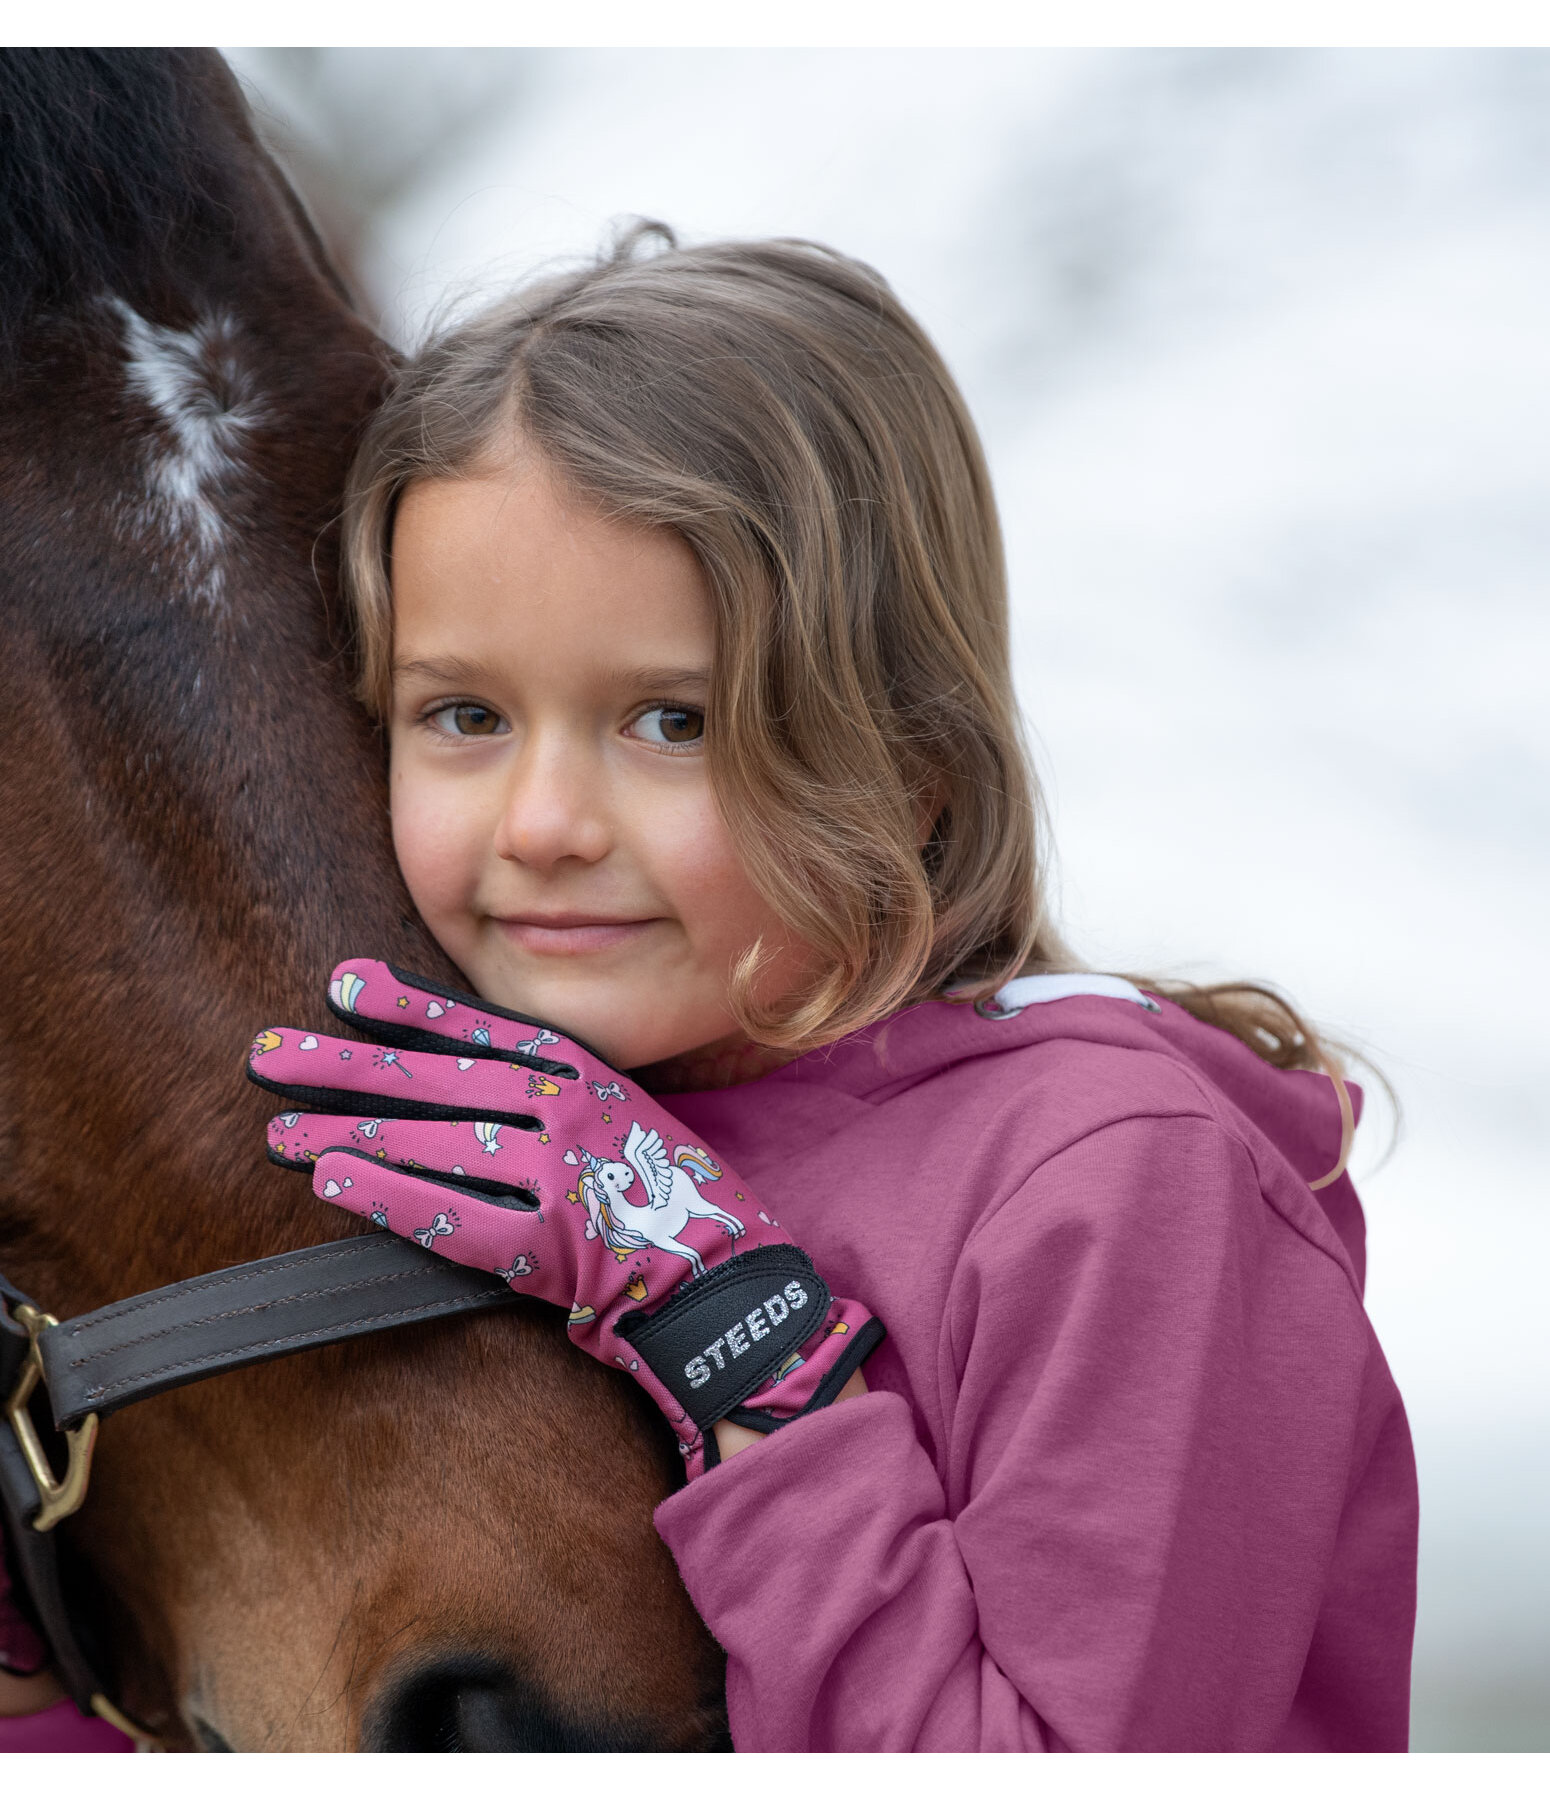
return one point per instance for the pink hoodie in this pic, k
(1133, 1473)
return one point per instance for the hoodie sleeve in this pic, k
(1155, 1394)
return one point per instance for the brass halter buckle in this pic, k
(60, 1496)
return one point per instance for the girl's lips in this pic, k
(572, 936)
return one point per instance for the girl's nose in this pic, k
(555, 807)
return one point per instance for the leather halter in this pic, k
(231, 1318)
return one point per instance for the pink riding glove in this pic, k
(504, 1145)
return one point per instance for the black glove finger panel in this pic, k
(393, 1084)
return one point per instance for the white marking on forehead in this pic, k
(205, 402)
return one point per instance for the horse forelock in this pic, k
(121, 171)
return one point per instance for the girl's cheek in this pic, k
(684, 844)
(434, 847)
(722, 912)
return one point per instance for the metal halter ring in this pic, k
(59, 1497)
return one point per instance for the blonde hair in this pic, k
(775, 404)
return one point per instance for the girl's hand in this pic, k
(501, 1144)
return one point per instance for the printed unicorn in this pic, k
(672, 1197)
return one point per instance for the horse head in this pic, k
(411, 1541)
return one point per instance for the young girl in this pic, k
(679, 586)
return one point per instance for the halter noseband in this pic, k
(91, 1366)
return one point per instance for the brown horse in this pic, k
(435, 1539)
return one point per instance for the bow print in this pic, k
(441, 1226)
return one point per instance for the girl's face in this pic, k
(552, 809)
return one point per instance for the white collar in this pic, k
(1035, 990)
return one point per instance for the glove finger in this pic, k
(451, 1222)
(418, 1013)
(414, 1013)
(495, 1160)
(329, 1074)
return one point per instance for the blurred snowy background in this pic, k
(1260, 346)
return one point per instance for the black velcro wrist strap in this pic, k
(723, 1335)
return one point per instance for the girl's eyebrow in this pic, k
(458, 671)
(453, 669)
(664, 678)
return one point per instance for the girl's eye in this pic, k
(671, 727)
(468, 719)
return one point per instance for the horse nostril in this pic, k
(472, 1703)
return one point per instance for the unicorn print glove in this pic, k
(501, 1144)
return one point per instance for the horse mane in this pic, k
(112, 177)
